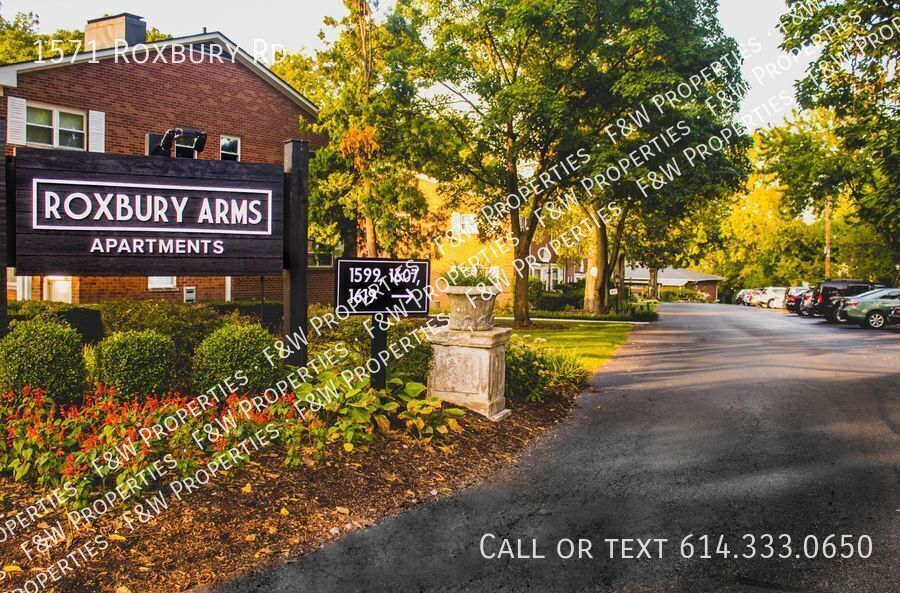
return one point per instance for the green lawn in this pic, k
(594, 342)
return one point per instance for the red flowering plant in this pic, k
(88, 445)
(106, 442)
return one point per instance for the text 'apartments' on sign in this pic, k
(376, 286)
(95, 214)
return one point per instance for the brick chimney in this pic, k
(105, 31)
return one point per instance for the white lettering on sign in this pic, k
(163, 208)
(152, 246)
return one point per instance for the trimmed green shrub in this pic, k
(85, 319)
(236, 348)
(535, 290)
(43, 354)
(527, 371)
(673, 295)
(269, 314)
(414, 364)
(136, 363)
(188, 325)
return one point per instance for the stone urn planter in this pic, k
(472, 307)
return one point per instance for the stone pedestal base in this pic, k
(470, 370)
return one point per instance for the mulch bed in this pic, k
(229, 527)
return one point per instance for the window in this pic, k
(229, 148)
(48, 126)
(161, 282)
(463, 224)
(319, 256)
(184, 148)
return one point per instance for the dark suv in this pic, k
(829, 294)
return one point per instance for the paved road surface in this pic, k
(717, 420)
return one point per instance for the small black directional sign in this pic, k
(371, 286)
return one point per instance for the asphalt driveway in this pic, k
(717, 420)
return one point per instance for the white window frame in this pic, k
(162, 282)
(464, 224)
(175, 146)
(311, 250)
(229, 137)
(55, 126)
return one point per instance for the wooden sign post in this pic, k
(4, 256)
(296, 227)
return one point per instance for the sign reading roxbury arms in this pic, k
(96, 214)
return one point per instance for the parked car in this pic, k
(872, 309)
(754, 296)
(894, 316)
(739, 297)
(750, 296)
(807, 303)
(772, 297)
(828, 295)
(794, 298)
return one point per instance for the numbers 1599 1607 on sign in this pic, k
(781, 545)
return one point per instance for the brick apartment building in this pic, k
(106, 101)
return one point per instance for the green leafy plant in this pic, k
(459, 275)
(136, 363)
(527, 371)
(566, 369)
(236, 348)
(424, 417)
(46, 355)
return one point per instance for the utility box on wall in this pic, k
(190, 294)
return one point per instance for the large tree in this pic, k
(855, 75)
(20, 40)
(365, 192)
(527, 84)
(814, 166)
(662, 49)
(761, 236)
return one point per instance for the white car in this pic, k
(772, 297)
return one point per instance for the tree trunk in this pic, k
(654, 283)
(520, 290)
(620, 266)
(594, 285)
(371, 243)
(349, 237)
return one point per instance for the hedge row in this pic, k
(49, 355)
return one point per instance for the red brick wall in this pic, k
(220, 98)
(94, 289)
(138, 98)
(319, 287)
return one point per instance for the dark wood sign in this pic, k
(383, 286)
(81, 213)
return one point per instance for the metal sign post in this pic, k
(382, 288)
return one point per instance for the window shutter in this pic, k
(15, 120)
(96, 131)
